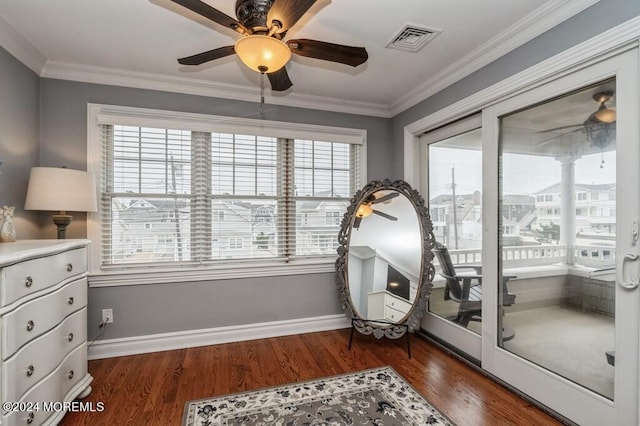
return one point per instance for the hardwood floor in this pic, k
(151, 389)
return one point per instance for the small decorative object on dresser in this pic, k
(7, 229)
(43, 322)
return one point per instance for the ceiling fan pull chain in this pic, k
(261, 95)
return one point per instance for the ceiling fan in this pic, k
(602, 116)
(599, 127)
(365, 208)
(263, 25)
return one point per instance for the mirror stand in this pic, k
(363, 325)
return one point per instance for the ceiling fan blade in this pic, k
(279, 80)
(384, 198)
(386, 216)
(212, 14)
(555, 138)
(288, 12)
(207, 56)
(348, 55)
(356, 222)
(555, 129)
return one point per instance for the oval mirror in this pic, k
(385, 267)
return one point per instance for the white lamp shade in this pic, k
(58, 189)
(257, 51)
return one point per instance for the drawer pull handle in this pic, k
(28, 282)
(69, 267)
(30, 417)
(70, 375)
(70, 300)
(70, 337)
(30, 325)
(30, 370)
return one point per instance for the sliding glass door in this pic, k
(561, 257)
(453, 156)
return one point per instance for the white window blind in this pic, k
(173, 196)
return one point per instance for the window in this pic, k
(334, 218)
(175, 193)
(236, 243)
(582, 196)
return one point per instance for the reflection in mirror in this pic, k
(384, 258)
(385, 268)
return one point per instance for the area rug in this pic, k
(373, 397)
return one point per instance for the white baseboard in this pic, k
(212, 336)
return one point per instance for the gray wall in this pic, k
(596, 19)
(164, 308)
(149, 309)
(19, 138)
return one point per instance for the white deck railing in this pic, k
(546, 254)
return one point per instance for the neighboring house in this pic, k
(239, 229)
(595, 207)
(234, 233)
(468, 214)
(518, 213)
(153, 237)
(318, 223)
(523, 215)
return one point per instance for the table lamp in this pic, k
(62, 190)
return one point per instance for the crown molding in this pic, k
(14, 43)
(542, 19)
(152, 81)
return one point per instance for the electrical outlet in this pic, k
(107, 316)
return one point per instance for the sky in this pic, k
(523, 174)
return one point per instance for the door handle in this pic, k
(633, 283)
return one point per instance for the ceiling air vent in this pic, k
(412, 38)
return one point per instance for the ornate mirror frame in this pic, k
(411, 322)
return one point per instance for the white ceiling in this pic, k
(136, 43)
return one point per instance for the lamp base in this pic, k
(62, 221)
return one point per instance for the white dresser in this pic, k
(387, 306)
(43, 327)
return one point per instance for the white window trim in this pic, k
(99, 113)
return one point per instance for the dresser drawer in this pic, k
(40, 315)
(398, 304)
(24, 278)
(41, 356)
(54, 388)
(393, 314)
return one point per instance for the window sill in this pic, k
(207, 273)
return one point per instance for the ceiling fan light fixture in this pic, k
(262, 53)
(605, 115)
(364, 210)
